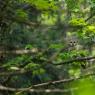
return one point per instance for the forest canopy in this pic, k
(47, 47)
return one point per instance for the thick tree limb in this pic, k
(35, 50)
(63, 80)
(23, 51)
(3, 88)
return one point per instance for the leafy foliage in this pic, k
(45, 38)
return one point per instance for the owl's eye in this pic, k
(71, 42)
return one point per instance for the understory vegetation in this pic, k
(47, 47)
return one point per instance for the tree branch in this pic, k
(13, 73)
(91, 16)
(63, 80)
(19, 72)
(80, 59)
(23, 51)
(3, 88)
